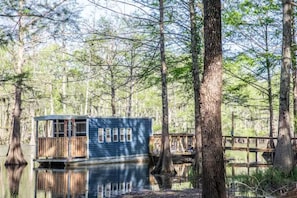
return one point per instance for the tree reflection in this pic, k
(14, 173)
(164, 181)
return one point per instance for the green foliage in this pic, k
(268, 182)
(233, 17)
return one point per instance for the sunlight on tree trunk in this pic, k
(15, 155)
(284, 153)
(213, 171)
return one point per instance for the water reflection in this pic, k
(14, 176)
(108, 180)
(164, 181)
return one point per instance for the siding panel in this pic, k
(141, 131)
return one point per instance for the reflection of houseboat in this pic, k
(93, 181)
(80, 140)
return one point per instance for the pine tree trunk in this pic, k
(284, 153)
(213, 171)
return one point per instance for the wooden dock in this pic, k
(183, 144)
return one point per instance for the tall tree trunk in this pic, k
(86, 109)
(165, 164)
(131, 89)
(213, 171)
(64, 78)
(270, 96)
(15, 155)
(52, 101)
(196, 49)
(113, 99)
(294, 72)
(284, 153)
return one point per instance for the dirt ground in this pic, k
(188, 193)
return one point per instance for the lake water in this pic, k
(108, 180)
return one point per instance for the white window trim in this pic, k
(107, 132)
(129, 132)
(115, 132)
(102, 135)
(122, 134)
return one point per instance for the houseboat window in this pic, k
(115, 135)
(59, 128)
(81, 128)
(100, 135)
(108, 135)
(122, 135)
(129, 135)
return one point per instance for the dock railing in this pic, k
(62, 147)
(184, 143)
(180, 143)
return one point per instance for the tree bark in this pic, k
(196, 49)
(131, 87)
(213, 171)
(294, 73)
(15, 155)
(165, 164)
(284, 153)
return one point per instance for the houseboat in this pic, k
(72, 140)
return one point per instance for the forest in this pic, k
(101, 58)
(228, 67)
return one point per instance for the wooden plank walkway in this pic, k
(183, 144)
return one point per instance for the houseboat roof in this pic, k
(77, 117)
(60, 117)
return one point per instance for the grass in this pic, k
(269, 182)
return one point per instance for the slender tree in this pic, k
(165, 164)
(195, 51)
(213, 179)
(284, 153)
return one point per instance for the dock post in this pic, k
(36, 141)
(248, 150)
(256, 151)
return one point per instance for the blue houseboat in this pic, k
(73, 140)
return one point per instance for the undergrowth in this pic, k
(269, 182)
